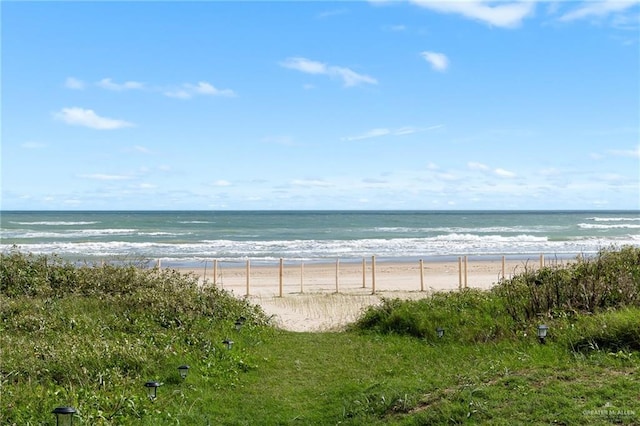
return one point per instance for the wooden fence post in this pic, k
(337, 275)
(541, 260)
(215, 271)
(364, 273)
(281, 275)
(503, 262)
(421, 275)
(301, 277)
(373, 275)
(248, 275)
(459, 273)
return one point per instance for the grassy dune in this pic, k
(90, 337)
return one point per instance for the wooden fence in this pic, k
(367, 276)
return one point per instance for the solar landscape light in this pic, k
(228, 343)
(152, 389)
(542, 333)
(183, 370)
(440, 331)
(238, 325)
(64, 415)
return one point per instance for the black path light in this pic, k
(542, 333)
(152, 389)
(440, 331)
(228, 343)
(183, 370)
(238, 325)
(64, 415)
(240, 322)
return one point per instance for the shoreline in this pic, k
(178, 263)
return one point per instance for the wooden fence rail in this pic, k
(368, 276)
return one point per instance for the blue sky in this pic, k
(321, 105)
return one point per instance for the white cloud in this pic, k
(101, 176)
(204, 88)
(106, 83)
(74, 83)
(146, 186)
(221, 183)
(330, 13)
(438, 61)
(305, 65)
(180, 94)
(633, 153)
(598, 9)
(502, 14)
(472, 165)
(187, 91)
(88, 118)
(311, 182)
(504, 173)
(550, 172)
(139, 148)
(351, 78)
(406, 131)
(374, 133)
(348, 76)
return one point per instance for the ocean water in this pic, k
(264, 236)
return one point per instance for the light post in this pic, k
(64, 415)
(440, 332)
(240, 322)
(228, 343)
(152, 389)
(542, 333)
(183, 370)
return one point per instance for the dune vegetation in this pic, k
(90, 336)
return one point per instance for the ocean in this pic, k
(191, 237)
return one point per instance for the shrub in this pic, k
(470, 315)
(612, 331)
(611, 279)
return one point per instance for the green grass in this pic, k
(90, 336)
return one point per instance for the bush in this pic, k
(470, 315)
(611, 331)
(88, 335)
(609, 280)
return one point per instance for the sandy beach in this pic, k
(328, 296)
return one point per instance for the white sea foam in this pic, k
(613, 219)
(462, 230)
(396, 248)
(614, 226)
(76, 233)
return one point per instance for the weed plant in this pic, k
(90, 335)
